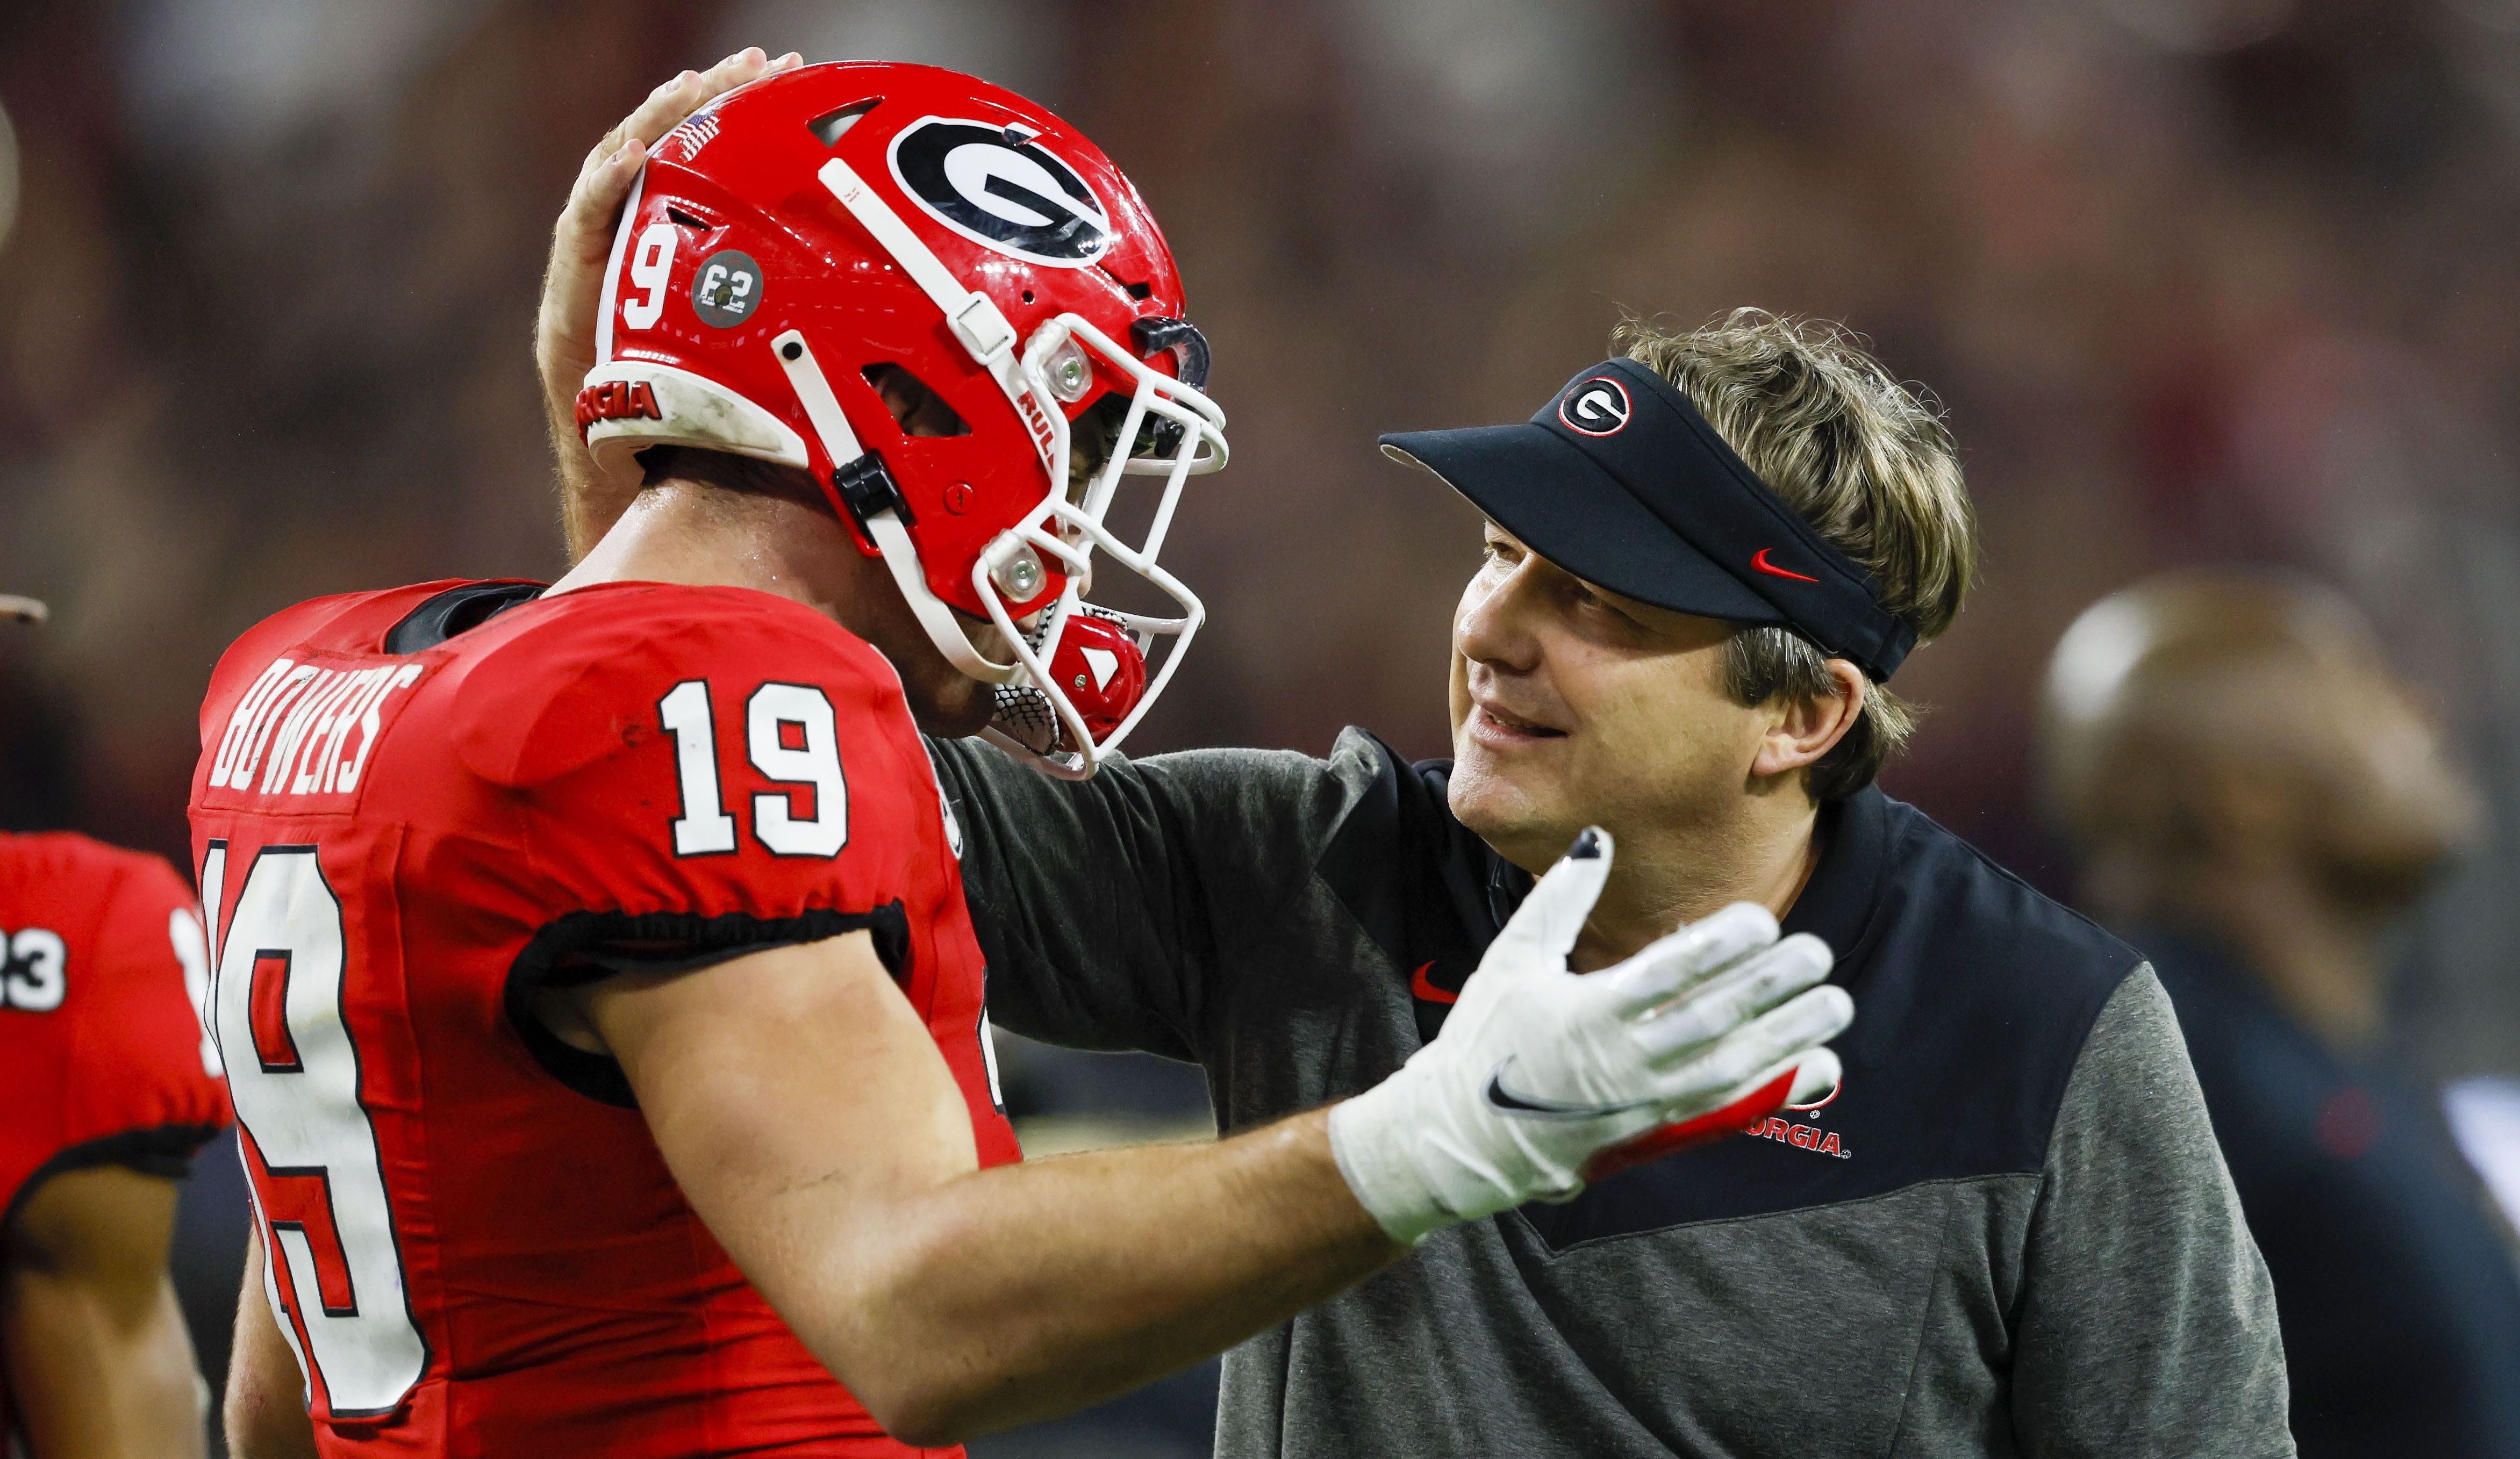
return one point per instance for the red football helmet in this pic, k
(792, 246)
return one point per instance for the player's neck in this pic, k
(705, 536)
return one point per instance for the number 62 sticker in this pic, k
(726, 288)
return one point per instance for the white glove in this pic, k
(1539, 1068)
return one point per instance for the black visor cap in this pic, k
(1620, 481)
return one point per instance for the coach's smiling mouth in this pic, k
(1492, 724)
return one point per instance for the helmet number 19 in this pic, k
(651, 263)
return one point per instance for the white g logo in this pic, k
(1002, 190)
(1596, 408)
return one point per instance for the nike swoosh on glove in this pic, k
(1539, 1070)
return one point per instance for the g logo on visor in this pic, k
(1000, 188)
(1598, 407)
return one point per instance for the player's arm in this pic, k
(573, 284)
(812, 1123)
(807, 1116)
(98, 1359)
(266, 1400)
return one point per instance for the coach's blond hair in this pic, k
(1865, 460)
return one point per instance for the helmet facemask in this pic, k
(1167, 429)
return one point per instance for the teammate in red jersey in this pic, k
(107, 1089)
(604, 1014)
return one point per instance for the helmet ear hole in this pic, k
(915, 408)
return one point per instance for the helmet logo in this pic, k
(1598, 407)
(1000, 188)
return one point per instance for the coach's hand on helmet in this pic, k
(582, 243)
(1539, 1070)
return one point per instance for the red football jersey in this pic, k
(103, 1060)
(474, 1245)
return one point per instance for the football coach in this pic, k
(2009, 1232)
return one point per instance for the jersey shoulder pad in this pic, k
(707, 770)
(83, 882)
(117, 943)
(81, 865)
(350, 623)
(554, 686)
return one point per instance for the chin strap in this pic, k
(891, 539)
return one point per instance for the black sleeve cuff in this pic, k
(163, 1150)
(595, 946)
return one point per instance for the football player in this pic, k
(107, 1089)
(603, 1013)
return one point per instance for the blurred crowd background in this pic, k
(2198, 281)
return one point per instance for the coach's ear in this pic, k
(1801, 730)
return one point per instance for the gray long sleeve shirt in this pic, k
(2010, 1232)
